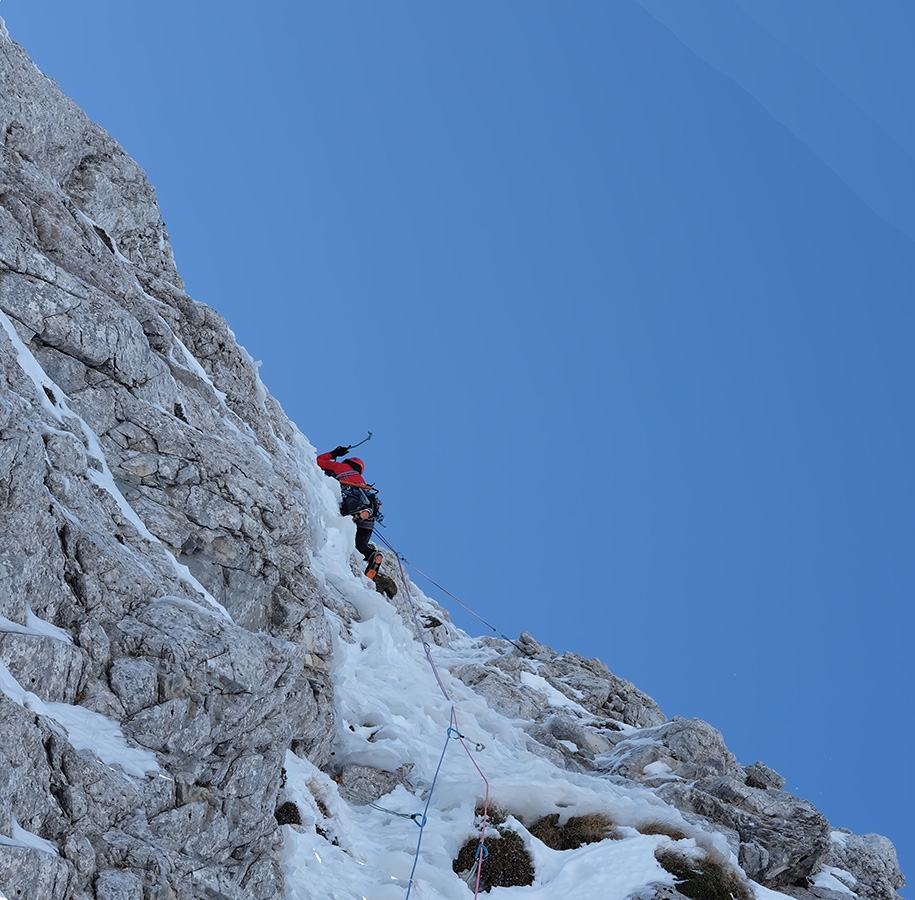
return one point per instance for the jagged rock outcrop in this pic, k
(871, 861)
(509, 677)
(164, 638)
(779, 840)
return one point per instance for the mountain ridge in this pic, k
(174, 567)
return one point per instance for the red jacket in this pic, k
(341, 471)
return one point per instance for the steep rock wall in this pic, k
(154, 542)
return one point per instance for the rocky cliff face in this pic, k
(154, 512)
(166, 633)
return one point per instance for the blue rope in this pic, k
(422, 824)
(453, 733)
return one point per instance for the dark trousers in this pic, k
(363, 536)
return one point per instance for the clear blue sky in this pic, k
(624, 291)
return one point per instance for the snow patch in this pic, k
(554, 697)
(22, 838)
(84, 729)
(391, 713)
(35, 626)
(657, 768)
(100, 231)
(834, 879)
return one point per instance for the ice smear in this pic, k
(40, 626)
(555, 698)
(105, 481)
(186, 603)
(229, 418)
(35, 626)
(114, 247)
(835, 880)
(85, 729)
(194, 366)
(22, 838)
(31, 367)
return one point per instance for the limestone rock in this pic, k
(364, 784)
(871, 860)
(760, 775)
(682, 749)
(512, 699)
(153, 485)
(591, 683)
(782, 840)
(31, 873)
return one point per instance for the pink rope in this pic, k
(427, 648)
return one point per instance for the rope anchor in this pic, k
(456, 735)
(453, 733)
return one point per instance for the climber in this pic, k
(360, 500)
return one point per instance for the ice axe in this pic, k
(354, 446)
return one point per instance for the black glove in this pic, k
(338, 451)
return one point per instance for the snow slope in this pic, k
(397, 704)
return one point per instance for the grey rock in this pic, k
(590, 683)
(79, 851)
(49, 668)
(692, 749)
(760, 775)
(783, 840)
(115, 884)
(364, 784)
(135, 682)
(512, 699)
(871, 860)
(533, 649)
(140, 381)
(26, 776)
(815, 892)
(566, 728)
(698, 748)
(25, 872)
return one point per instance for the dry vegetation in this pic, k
(575, 832)
(704, 879)
(507, 863)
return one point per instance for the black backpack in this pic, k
(358, 499)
